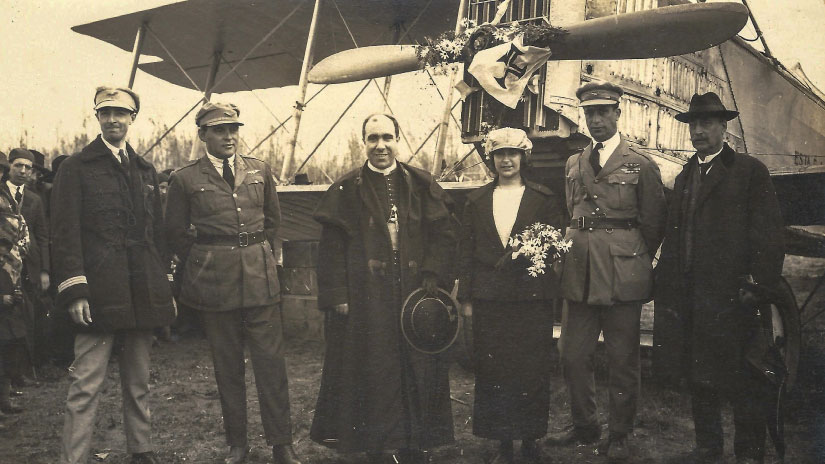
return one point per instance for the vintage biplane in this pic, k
(659, 51)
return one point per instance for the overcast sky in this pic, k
(50, 72)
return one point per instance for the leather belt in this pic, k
(242, 239)
(583, 222)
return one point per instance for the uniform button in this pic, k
(242, 224)
(624, 183)
(595, 181)
(592, 212)
(595, 197)
(239, 210)
(234, 195)
(201, 189)
(597, 209)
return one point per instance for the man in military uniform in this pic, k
(724, 232)
(229, 275)
(108, 246)
(616, 200)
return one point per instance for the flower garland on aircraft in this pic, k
(451, 48)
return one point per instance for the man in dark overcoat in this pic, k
(229, 275)
(617, 204)
(108, 263)
(36, 263)
(724, 224)
(386, 231)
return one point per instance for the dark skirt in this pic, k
(512, 343)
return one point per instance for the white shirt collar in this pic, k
(13, 188)
(709, 158)
(385, 171)
(114, 149)
(218, 163)
(610, 146)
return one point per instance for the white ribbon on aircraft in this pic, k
(504, 70)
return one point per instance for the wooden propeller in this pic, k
(666, 31)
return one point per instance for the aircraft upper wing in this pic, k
(193, 30)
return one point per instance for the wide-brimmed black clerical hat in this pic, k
(430, 323)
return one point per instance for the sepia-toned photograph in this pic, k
(412, 232)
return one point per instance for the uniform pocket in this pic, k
(256, 191)
(624, 184)
(205, 198)
(632, 271)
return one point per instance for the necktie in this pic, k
(595, 158)
(124, 160)
(227, 174)
(18, 195)
(704, 167)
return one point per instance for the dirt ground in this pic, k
(187, 423)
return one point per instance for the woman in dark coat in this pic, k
(512, 315)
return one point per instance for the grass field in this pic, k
(188, 428)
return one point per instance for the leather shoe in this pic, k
(15, 393)
(237, 455)
(284, 454)
(144, 458)
(576, 435)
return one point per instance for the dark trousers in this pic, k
(748, 401)
(581, 325)
(258, 328)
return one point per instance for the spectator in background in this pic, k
(48, 179)
(13, 245)
(36, 262)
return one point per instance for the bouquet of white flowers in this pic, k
(538, 242)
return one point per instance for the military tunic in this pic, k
(606, 276)
(230, 277)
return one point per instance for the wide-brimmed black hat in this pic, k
(430, 323)
(704, 105)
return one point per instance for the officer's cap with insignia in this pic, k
(508, 137)
(213, 114)
(117, 97)
(599, 93)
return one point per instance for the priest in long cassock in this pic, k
(386, 231)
